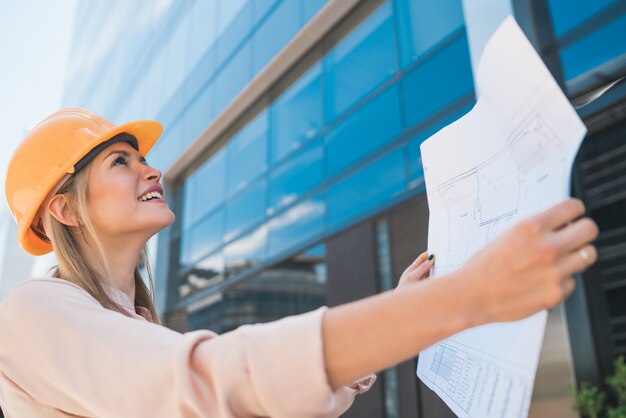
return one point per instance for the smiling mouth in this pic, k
(151, 196)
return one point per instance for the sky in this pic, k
(35, 37)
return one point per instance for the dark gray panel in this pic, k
(432, 405)
(351, 269)
(351, 265)
(408, 224)
(409, 237)
(408, 402)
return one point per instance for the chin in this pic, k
(159, 223)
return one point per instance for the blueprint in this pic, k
(508, 158)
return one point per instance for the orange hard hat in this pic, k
(51, 150)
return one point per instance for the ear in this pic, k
(60, 210)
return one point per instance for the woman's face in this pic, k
(124, 195)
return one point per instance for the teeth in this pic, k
(151, 195)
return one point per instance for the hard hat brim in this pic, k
(147, 132)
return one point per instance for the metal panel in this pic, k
(600, 180)
(351, 270)
(409, 237)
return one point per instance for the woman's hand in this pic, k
(527, 269)
(418, 270)
(530, 267)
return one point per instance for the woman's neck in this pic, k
(122, 258)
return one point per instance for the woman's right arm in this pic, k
(527, 269)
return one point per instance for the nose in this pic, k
(152, 174)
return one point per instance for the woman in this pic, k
(87, 341)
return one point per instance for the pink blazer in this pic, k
(63, 355)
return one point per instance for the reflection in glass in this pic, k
(361, 62)
(204, 274)
(367, 129)
(294, 286)
(374, 186)
(245, 210)
(296, 225)
(247, 154)
(246, 252)
(296, 176)
(204, 189)
(423, 24)
(296, 116)
(203, 237)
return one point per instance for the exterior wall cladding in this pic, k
(313, 192)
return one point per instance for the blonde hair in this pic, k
(72, 265)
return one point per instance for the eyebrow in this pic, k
(124, 153)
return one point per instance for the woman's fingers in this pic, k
(568, 287)
(418, 270)
(577, 260)
(416, 263)
(575, 235)
(561, 214)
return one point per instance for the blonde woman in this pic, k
(87, 342)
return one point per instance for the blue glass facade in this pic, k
(589, 37)
(338, 145)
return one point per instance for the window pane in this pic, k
(366, 130)
(312, 7)
(261, 7)
(199, 115)
(204, 189)
(247, 251)
(296, 176)
(436, 83)
(366, 190)
(568, 13)
(362, 61)
(233, 31)
(205, 273)
(297, 225)
(247, 154)
(233, 78)
(203, 237)
(228, 11)
(203, 29)
(296, 116)
(245, 210)
(294, 286)
(595, 50)
(168, 148)
(423, 24)
(269, 40)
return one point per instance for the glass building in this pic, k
(291, 156)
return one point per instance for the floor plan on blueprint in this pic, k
(508, 158)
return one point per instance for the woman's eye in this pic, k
(119, 160)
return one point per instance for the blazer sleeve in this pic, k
(63, 349)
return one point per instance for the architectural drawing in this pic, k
(508, 158)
